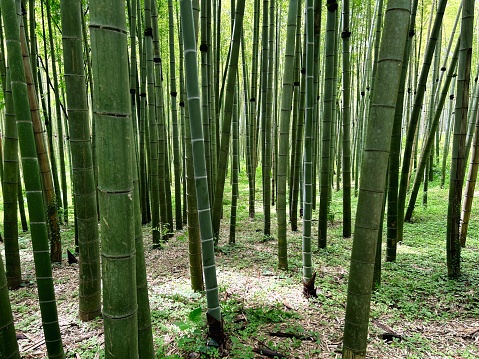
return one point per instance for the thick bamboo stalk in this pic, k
(112, 111)
(373, 178)
(458, 160)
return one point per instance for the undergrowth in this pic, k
(414, 300)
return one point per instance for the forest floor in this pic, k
(416, 313)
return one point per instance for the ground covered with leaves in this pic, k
(417, 312)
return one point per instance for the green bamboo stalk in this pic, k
(226, 127)
(215, 320)
(163, 172)
(194, 241)
(373, 178)
(145, 335)
(174, 119)
(275, 117)
(82, 165)
(394, 154)
(470, 186)
(328, 120)
(458, 161)
(43, 158)
(58, 117)
(115, 177)
(266, 121)
(11, 180)
(132, 15)
(234, 168)
(8, 339)
(412, 126)
(205, 92)
(33, 37)
(143, 128)
(316, 82)
(429, 141)
(308, 276)
(296, 130)
(182, 119)
(212, 92)
(252, 111)
(153, 130)
(472, 114)
(346, 120)
(286, 102)
(48, 114)
(270, 123)
(33, 185)
(21, 205)
(448, 131)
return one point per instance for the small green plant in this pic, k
(195, 342)
(240, 350)
(267, 238)
(330, 217)
(182, 237)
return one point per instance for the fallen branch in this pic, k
(86, 336)
(269, 353)
(291, 335)
(34, 345)
(472, 334)
(389, 334)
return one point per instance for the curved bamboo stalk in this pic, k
(226, 127)
(33, 185)
(470, 186)
(412, 126)
(422, 165)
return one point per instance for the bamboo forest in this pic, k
(239, 179)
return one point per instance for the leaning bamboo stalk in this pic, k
(470, 186)
(33, 185)
(228, 113)
(215, 320)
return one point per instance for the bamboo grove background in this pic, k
(143, 112)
